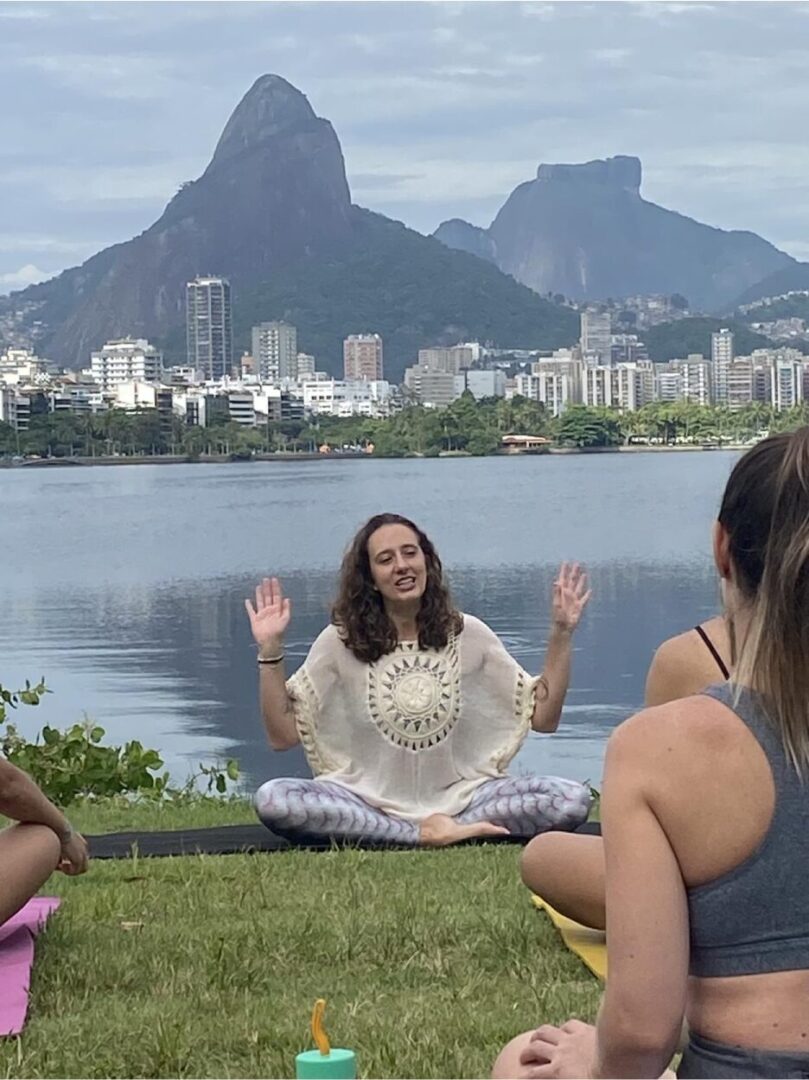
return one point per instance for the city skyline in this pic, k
(416, 112)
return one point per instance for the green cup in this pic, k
(336, 1065)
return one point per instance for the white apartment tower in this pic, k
(722, 346)
(126, 360)
(597, 386)
(305, 366)
(209, 332)
(697, 379)
(552, 388)
(787, 383)
(596, 337)
(633, 385)
(275, 349)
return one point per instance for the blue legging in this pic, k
(320, 809)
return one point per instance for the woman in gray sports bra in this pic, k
(705, 813)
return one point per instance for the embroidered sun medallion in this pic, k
(413, 698)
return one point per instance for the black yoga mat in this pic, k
(224, 840)
(221, 840)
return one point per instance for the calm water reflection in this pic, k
(125, 586)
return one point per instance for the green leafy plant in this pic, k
(72, 764)
(10, 699)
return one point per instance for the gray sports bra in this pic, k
(755, 918)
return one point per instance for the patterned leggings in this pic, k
(319, 809)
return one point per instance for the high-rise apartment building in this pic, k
(305, 366)
(596, 337)
(553, 388)
(453, 359)
(126, 360)
(668, 385)
(597, 386)
(787, 383)
(739, 392)
(275, 349)
(722, 346)
(362, 358)
(697, 379)
(633, 385)
(209, 333)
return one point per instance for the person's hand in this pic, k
(558, 1052)
(75, 857)
(441, 830)
(570, 596)
(270, 617)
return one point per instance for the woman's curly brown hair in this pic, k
(359, 612)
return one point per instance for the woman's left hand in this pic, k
(570, 596)
(566, 1051)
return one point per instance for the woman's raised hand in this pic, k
(570, 596)
(270, 617)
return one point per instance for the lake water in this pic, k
(124, 586)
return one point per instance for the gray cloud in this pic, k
(442, 108)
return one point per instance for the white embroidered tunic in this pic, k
(418, 730)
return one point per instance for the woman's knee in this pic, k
(578, 802)
(29, 854)
(542, 859)
(271, 798)
(567, 802)
(42, 843)
(507, 1066)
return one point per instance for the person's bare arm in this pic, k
(22, 800)
(269, 620)
(570, 596)
(642, 1011)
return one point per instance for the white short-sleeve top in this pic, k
(418, 730)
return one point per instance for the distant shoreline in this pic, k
(224, 459)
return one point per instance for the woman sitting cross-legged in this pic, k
(42, 841)
(409, 712)
(567, 869)
(706, 829)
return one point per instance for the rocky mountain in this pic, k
(585, 231)
(273, 213)
(794, 278)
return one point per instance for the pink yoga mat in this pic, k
(17, 958)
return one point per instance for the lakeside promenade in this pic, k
(338, 455)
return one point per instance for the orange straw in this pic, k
(318, 1033)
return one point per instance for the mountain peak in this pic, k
(271, 106)
(584, 231)
(620, 171)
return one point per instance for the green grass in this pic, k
(209, 966)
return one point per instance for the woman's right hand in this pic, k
(270, 617)
(74, 857)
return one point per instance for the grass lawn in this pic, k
(208, 966)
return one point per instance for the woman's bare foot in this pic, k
(441, 830)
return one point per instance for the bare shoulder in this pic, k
(680, 650)
(683, 665)
(695, 727)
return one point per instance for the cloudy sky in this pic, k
(441, 108)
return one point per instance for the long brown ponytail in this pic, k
(765, 511)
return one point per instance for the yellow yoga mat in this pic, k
(588, 944)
